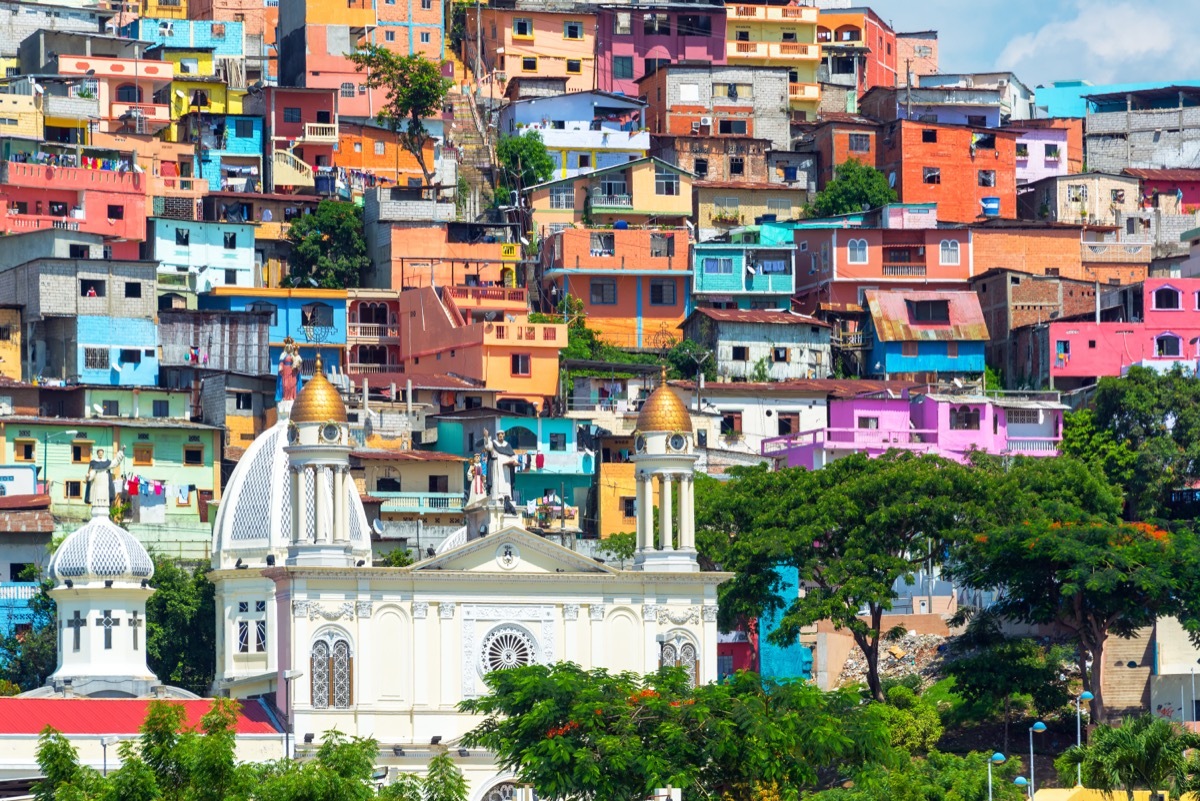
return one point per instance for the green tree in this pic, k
(415, 91)
(689, 359)
(913, 721)
(854, 186)
(444, 781)
(852, 530)
(399, 556)
(328, 247)
(938, 777)
(62, 775)
(591, 735)
(1098, 448)
(180, 639)
(1143, 753)
(524, 162)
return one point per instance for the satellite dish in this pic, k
(524, 241)
(489, 316)
(377, 526)
(312, 281)
(97, 408)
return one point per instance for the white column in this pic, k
(687, 518)
(645, 513)
(449, 692)
(297, 501)
(318, 476)
(664, 514)
(422, 645)
(341, 528)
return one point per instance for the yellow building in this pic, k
(778, 36)
(196, 89)
(19, 116)
(10, 343)
(722, 205)
(164, 9)
(642, 192)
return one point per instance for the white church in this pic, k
(309, 632)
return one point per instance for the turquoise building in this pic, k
(783, 662)
(753, 269)
(194, 256)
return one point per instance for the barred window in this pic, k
(332, 682)
(95, 358)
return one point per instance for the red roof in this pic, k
(40, 501)
(762, 316)
(112, 715)
(1164, 175)
(890, 312)
(834, 387)
(383, 454)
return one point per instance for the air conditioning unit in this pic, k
(166, 28)
(706, 122)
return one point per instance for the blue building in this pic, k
(754, 269)
(314, 318)
(119, 351)
(1066, 98)
(231, 148)
(925, 335)
(782, 662)
(221, 37)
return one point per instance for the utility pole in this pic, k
(908, 88)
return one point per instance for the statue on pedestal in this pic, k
(501, 467)
(101, 489)
(289, 370)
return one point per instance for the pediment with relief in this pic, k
(513, 550)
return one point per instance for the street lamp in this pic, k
(1020, 782)
(995, 759)
(1036, 728)
(105, 742)
(1084, 696)
(46, 438)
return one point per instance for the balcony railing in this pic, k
(1116, 252)
(176, 186)
(289, 170)
(804, 91)
(515, 333)
(43, 176)
(913, 439)
(19, 591)
(1042, 446)
(480, 294)
(320, 132)
(420, 501)
(36, 222)
(362, 368)
(372, 330)
(904, 270)
(151, 112)
(613, 201)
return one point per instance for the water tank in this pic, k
(621, 225)
(991, 206)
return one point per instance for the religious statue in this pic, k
(502, 465)
(476, 481)
(101, 489)
(289, 370)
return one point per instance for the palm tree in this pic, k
(1143, 753)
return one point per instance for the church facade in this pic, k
(390, 652)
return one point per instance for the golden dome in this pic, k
(319, 401)
(663, 411)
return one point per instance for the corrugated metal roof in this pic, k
(1163, 175)
(23, 502)
(112, 715)
(762, 316)
(833, 387)
(891, 316)
(1001, 401)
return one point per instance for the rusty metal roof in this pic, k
(1163, 175)
(832, 387)
(891, 314)
(761, 316)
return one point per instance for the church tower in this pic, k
(318, 454)
(664, 462)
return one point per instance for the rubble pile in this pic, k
(913, 653)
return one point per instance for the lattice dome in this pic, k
(255, 515)
(101, 551)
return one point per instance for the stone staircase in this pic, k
(475, 160)
(1127, 688)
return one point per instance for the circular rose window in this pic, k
(505, 648)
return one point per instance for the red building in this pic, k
(857, 49)
(300, 134)
(840, 137)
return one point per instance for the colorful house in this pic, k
(947, 423)
(195, 256)
(314, 318)
(1048, 148)
(925, 335)
(271, 216)
(315, 40)
(582, 131)
(778, 35)
(647, 191)
(858, 49)
(633, 282)
(635, 41)
(534, 43)
(757, 345)
(300, 132)
(755, 268)
(416, 495)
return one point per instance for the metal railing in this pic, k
(904, 270)
(367, 369)
(1039, 445)
(913, 439)
(417, 501)
(621, 201)
(372, 330)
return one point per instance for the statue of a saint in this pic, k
(289, 370)
(502, 465)
(476, 481)
(101, 489)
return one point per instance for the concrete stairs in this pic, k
(1127, 668)
(475, 159)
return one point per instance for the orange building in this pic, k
(840, 137)
(411, 27)
(543, 44)
(367, 147)
(1071, 252)
(482, 334)
(633, 282)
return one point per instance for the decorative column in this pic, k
(645, 513)
(450, 692)
(422, 645)
(664, 514)
(341, 525)
(297, 502)
(687, 517)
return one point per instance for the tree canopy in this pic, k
(524, 161)
(329, 247)
(855, 185)
(1143, 753)
(415, 91)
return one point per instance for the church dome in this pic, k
(319, 401)
(664, 411)
(254, 518)
(101, 551)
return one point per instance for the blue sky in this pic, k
(1104, 41)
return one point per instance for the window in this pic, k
(779, 355)
(439, 484)
(95, 358)
(656, 25)
(426, 5)
(868, 423)
(24, 450)
(358, 147)
(558, 442)
(332, 680)
(143, 454)
(1022, 417)
(681, 655)
(1118, 196)
(182, 237)
(316, 315)
(1077, 193)
(860, 143)
(986, 177)
(666, 181)
(1062, 349)
(662, 292)
(602, 244)
(909, 350)
(529, 64)
(5, 333)
(562, 197)
(931, 175)
(662, 245)
(929, 311)
(380, 148)
(523, 27)
(161, 408)
(129, 93)
(856, 251)
(230, 238)
(520, 364)
(291, 114)
(574, 66)
(1022, 150)
(964, 418)
(218, 30)
(700, 167)
(243, 401)
(949, 252)
(572, 30)
(737, 165)
(116, 212)
(1167, 299)
(77, 251)
(781, 207)
(583, 161)
(951, 350)
(110, 408)
(73, 489)
(263, 306)
(720, 266)
(129, 356)
(733, 127)
(731, 422)
(622, 67)
(695, 25)
(1051, 152)
(1168, 345)
(726, 208)
(81, 452)
(424, 39)
(604, 291)
(741, 353)
(789, 423)
(193, 455)
(977, 120)
(622, 23)
(929, 135)
(133, 289)
(628, 507)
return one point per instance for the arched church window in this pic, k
(501, 792)
(678, 652)
(505, 648)
(332, 676)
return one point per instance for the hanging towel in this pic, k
(185, 494)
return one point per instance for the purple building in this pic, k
(633, 40)
(945, 423)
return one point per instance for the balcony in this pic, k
(18, 591)
(612, 201)
(1033, 446)
(141, 116)
(290, 171)
(71, 108)
(904, 270)
(782, 51)
(271, 231)
(1117, 252)
(372, 332)
(127, 69)
(41, 176)
(176, 186)
(22, 223)
(804, 15)
(525, 334)
(421, 502)
(804, 92)
(363, 368)
(488, 298)
(919, 440)
(320, 133)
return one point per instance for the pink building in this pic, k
(111, 203)
(947, 424)
(301, 132)
(1163, 333)
(634, 40)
